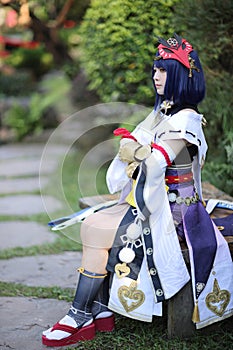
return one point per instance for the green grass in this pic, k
(16, 289)
(136, 335)
(61, 244)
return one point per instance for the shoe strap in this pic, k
(65, 328)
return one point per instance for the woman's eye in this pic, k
(156, 69)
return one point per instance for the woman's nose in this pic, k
(156, 76)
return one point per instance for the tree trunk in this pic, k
(49, 36)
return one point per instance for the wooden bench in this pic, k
(180, 307)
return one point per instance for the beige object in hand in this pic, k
(127, 151)
(142, 153)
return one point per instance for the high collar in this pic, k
(169, 108)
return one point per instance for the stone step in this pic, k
(24, 234)
(28, 204)
(42, 270)
(23, 320)
(19, 185)
(28, 150)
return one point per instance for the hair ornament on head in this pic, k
(177, 49)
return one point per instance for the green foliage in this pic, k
(118, 39)
(28, 119)
(217, 108)
(49, 10)
(219, 171)
(18, 83)
(18, 118)
(71, 69)
(208, 25)
(220, 175)
(213, 39)
(37, 60)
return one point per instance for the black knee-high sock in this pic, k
(88, 286)
(100, 303)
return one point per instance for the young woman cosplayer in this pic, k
(136, 244)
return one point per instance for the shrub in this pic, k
(118, 39)
(18, 83)
(37, 60)
(25, 120)
(209, 27)
(219, 171)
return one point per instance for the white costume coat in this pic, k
(163, 271)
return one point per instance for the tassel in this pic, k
(196, 317)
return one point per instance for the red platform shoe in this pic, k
(76, 334)
(106, 324)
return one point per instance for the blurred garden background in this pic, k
(58, 56)
(57, 59)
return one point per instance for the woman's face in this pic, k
(160, 77)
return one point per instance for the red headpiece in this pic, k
(178, 49)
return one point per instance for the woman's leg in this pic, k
(97, 234)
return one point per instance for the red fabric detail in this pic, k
(175, 179)
(163, 151)
(178, 52)
(124, 133)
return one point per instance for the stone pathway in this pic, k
(24, 319)
(21, 179)
(25, 171)
(23, 234)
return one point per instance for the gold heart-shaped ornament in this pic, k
(131, 297)
(122, 270)
(218, 299)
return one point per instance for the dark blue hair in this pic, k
(179, 87)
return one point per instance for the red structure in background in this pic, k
(9, 43)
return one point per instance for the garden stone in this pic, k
(24, 150)
(25, 205)
(42, 270)
(17, 150)
(19, 185)
(24, 234)
(25, 319)
(26, 167)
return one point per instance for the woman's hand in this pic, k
(142, 153)
(127, 151)
(133, 151)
